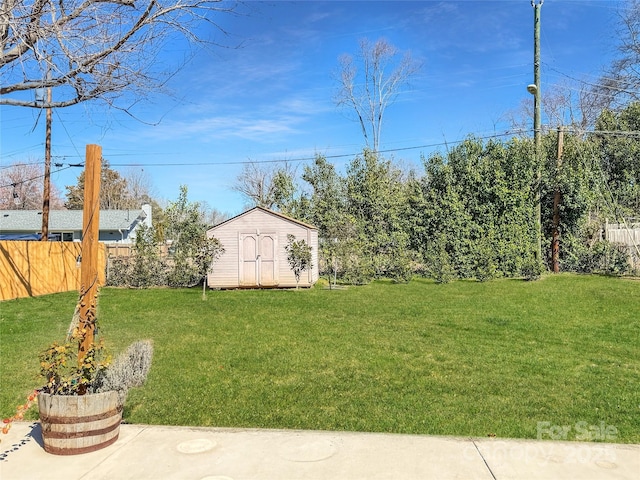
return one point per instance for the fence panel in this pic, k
(30, 269)
(117, 250)
(628, 236)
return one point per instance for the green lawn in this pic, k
(465, 358)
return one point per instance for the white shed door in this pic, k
(267, 265)
(258, 259)
(248, 260)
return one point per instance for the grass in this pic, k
(466, 358)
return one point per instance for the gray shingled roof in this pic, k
(31, 220)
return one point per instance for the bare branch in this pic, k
(91, 49)
(369, 95)
(264, 185)
(621, 83)
(21, 188)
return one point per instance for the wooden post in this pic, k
(90, 232)
(557, 199)
(537, 126)
(46, 194)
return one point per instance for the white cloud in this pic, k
(264, 122)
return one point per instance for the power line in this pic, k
(306, 159)
(301, 159)
(618, 133)
(590, 84)
(14, 184)
(390, 150)
(613, 133)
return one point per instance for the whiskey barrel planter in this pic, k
(74, 424)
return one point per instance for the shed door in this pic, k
(258, 260)
(267, 265)
(248, 260)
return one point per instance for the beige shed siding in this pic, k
(260, 222)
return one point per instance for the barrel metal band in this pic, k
(77, 451)
(86, 433)
(44, 418)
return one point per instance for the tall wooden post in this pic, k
(557, 199)
(46, 194)
(537, 125)
(90, 232)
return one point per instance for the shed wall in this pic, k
(258, 224)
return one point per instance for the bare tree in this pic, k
(368, 93)
(90, 49)
(212, 216)
(622, 81)
(266, 186)
(139, 187)
(21, 188)
(574, 105)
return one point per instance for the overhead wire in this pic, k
(590, 84)
(310, 158)
(37, 177)
(447, 143)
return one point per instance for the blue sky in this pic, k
(268, 95)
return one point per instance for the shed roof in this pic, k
(31, 220)
(266, 210)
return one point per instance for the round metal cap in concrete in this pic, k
(199, 445)
(301, 450)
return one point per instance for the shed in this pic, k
(255, 255)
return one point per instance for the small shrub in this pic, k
(357, 270)
(603, 257)
(485, 267)
(438, 264)
(298, 256)
(402, 272)
(61, 371)
(119, 272)
(613, 258)
(532, 269)
(128, 370)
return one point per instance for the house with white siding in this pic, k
(116, 226)
(255, 254)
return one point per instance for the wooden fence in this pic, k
(626, 234)
(119, 250)
(29, 269)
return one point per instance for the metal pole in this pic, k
(537, 4)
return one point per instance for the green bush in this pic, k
(532, 269)
(439, 267)
(603, 257)
(485, 267)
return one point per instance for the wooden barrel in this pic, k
(74, 424)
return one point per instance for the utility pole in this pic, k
(557, 199)
(46, 194)
(534, 89)
(89, 259)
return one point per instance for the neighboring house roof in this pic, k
(277, 214)
(31, 220)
